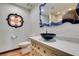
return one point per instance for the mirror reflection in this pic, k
(15, 20)
(55, 14)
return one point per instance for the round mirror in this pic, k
(15, 20)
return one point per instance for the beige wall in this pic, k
(7, 32)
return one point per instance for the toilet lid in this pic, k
(24, 43)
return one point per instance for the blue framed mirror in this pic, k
(55, 14)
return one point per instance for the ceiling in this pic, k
(28, 6)
(49, 7)
(58, 7)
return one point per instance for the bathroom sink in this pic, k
(48, 36)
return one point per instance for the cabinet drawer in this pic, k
(36, 52)
(51, 51)
(46, 50)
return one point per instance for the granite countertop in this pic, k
(63, 45)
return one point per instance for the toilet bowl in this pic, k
(25, 47)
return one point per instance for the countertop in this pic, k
(66, 46)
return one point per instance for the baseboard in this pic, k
(9, 50)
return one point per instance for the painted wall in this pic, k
(34, 17)
(66, 31)
(7, 33)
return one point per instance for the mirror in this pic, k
(55, 14)
(15, 20)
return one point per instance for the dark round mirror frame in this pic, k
(14, 15)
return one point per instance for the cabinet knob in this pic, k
(44, 51)
(38, 47)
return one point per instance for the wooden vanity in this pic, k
(40, 48)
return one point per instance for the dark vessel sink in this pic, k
(48, 36)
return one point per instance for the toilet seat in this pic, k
(24, 44)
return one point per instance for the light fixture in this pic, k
(58, 13)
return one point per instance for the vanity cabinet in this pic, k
(41, 49)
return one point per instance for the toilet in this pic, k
(25, 47)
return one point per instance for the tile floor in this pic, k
(15, 53)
